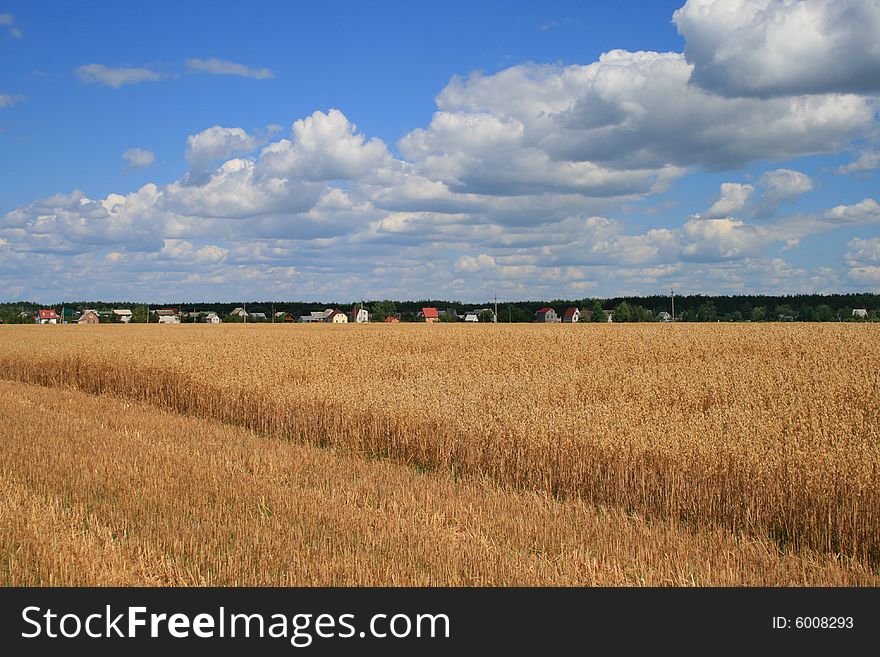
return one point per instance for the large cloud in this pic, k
(637, 111)
(782, 47)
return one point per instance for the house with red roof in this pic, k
(429, 315)
(571, 316)
(47, 316)
(546, 316)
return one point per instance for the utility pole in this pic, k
(495, 315)
(672, 292)
(244, 310)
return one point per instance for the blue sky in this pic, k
(459, 150)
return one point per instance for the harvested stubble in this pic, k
(102, 491)
(768, 430)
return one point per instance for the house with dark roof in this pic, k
(167, 315)
(336, 317)
(571, 316)
(546, 316)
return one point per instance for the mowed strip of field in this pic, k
(100, 491)
(770, 430)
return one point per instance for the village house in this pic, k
(448, 315)
(471, 316)
(336, 317)
(429, 315)
(167, 316)
(257, 317)
(212, 318)
(392, 320)
(571, 316)
(664, 316)
(546, 316)
(359, 316)
(122, 315)
(860, 312)
(89, 316)
(315, 316)
(238, 312)
(47, 317)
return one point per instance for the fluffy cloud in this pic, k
(863, 260)
(217, 143)
(867, 161)
(115, 77)
(326, 147)
(864, 249)
(637, 111)
(139, 157)
(780, 186)
(221, 67)
(733, 198)
(235, 190)
(781, 47)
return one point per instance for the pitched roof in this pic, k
(48, 314)
(430, 312)
(569, 312)
(544, 310)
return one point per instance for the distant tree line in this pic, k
(691, 308)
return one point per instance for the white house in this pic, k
(571, 315)
(471, 316)
(664, 316)
(336, 317)
(122, 314)
(212, 318)
(360, 315)
(860, 312)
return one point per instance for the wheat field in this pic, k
(722, 438)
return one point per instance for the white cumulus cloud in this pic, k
(782, 47)
(139, 157)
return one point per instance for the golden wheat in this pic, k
(771, 431)
(101, 491)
